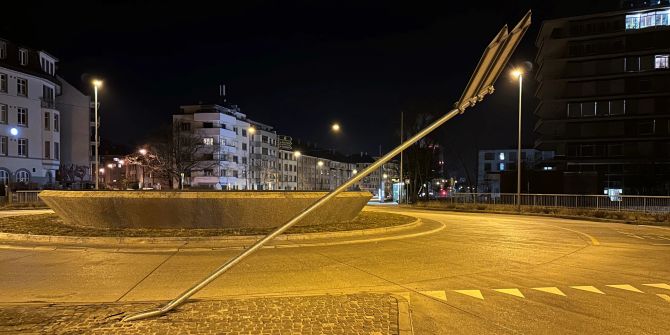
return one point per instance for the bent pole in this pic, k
(498, 51)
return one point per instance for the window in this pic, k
(501, 167)
(3, 145)
(208, 172)
(661, 62)
(244, 133)
(208, 141)
(264, 139)
(56, 122)
(47, 149)
(185, 126)
(56, 150)
(244, 160)
(4, 177)
(3, 83)
(236, 174)
(23, 176)
(208, 125)
(47, 121)
(264, 151)
(3, 50)
(244, 146)
(614, 150)
(48, 97)
(646, 127)
(3, 114)
(23, 147)
(22, 116)
(23, 56)
(646, 20)
(22, 87)
(235, 159)
(501, 156)
(47, 66)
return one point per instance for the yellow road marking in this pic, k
(472, 293)
(440, 295)
(626, 287)
(661, 285)
(664, 297)
(594, 241)
(552, 290)
(588, 289)
(510, 291)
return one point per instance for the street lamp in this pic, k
(14, 131)
(96, 84)
(142, 151)
(335, 127)
(518, 74)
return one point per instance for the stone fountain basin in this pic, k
(176, 209)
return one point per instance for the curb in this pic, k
(173, 241)
(405, 326)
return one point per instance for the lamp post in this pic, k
(96, 84)
(518, 73)
(250, 132)
(297, 155)
(319, 164)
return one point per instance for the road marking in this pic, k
(510, 291)
(440, 295)
(472, 293)
(664, 297)
(660, 285)
(588, 289)
(626, 287)
(594, 241)
(552, 290)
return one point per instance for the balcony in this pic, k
(47, 103)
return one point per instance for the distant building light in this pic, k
(661, 62)
(501, 156)
(548, 168)
(501, 167)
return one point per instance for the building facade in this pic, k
(604, 90)
(77, 135)
(222, 152)
(287, 163)
(492, 164)
(30, 123)
(263, 157)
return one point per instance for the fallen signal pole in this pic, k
(491, 64)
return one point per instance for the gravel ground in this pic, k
(51, 224)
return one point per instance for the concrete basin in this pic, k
(172, 209)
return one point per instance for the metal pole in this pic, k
(402, 179)
(97, 169)
(518, 153)
(260, 243)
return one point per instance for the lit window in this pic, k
(548, 168)
(661, 62)
(633, 21)
(501, 156)
(208, 141)
(646, 20)
(501, 167)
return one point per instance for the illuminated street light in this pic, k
(252, 130)
(14, 131)
(385, 176)
(335, 127)
(110, 165)
(96, 85)
(354, 171)
(102, 171)
(518, 74)
(297, 154)
(143, 151)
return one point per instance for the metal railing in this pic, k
(628, 203)
(25, 197)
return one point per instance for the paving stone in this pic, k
(367, 313)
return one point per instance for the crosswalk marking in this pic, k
(664, 297)
(588, 289)
(660, 285)
(472, 293)
(440, 295)
(510, 291)
(626, 287)
(552, 290)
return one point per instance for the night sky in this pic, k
(296, 65)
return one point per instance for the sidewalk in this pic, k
(366, 313)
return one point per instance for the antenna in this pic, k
(222, 92)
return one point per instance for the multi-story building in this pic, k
(287, 162)
(30, 123)
(492, 164)
(263, 157)
(222, 155)
(604, 90)
(77, 135)
(379, 182)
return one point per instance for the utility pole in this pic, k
(402, 179)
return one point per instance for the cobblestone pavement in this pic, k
(325, 314)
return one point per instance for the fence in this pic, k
(630, 203)
(24, 197)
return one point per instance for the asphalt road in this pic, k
(482, 273)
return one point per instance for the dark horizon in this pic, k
(297, 66)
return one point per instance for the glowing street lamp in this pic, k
(354, 171)
(518, 74)
(96, 85)
(110, 165)
(14, 131)
(335, 127)
(143, 151)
